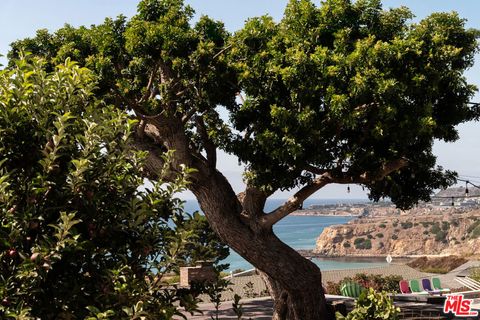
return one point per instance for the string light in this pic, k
(468, 182)
(467, 192)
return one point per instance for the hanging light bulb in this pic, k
(466, 188)
(453, 203)
(348, 189)
(363, 188)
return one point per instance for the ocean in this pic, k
(301, 232)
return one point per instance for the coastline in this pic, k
(311, 254)
(312, 213)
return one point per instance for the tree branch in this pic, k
(222, 51)
(188, 115)
(294, 202)
(208, 145)
(242, 99)
(148, 90)
(371, 176)
(253, 201)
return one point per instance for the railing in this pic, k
(232, 275)
(468, 282)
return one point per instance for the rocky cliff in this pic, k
(402, 235)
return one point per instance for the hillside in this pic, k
(402, 235)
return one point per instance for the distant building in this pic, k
(457, 197)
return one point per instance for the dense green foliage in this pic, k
(344, 87)
(80, 237)
(372, 305)
(348, 86)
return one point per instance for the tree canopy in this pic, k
(80, 236)
(344, 87)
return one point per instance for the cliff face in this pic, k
(404, 235)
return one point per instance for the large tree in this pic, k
(344, 93)
(79, 235)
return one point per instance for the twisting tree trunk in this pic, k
(293, 281)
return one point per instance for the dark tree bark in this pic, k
(294, 282)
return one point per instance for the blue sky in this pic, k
(21, 18)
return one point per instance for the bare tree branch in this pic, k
(148, 89)
(294, 202)
(188, 115)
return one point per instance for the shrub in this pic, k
(333, 288)
(80, 236)
(346, 244)
(445, 225)
(474, 229)
(394, 237)
(406, 225)
(377, 282)
(368, 244)
(372, 305)
(358, 241)
(379, 235)
(363, 244)
(441, 236)
(382, 225)
(435, 228)
(369, 236)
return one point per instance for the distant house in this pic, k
(458, 196)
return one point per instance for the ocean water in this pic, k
(301, 232)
